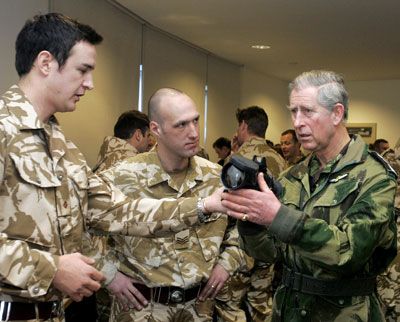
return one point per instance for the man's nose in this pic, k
(297, 119)
(88, 82)
(193, 130)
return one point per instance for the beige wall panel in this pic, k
(272, 95)
(376, 102)
(13, 14)
(223, 100)
(115, 78)
(170, 63)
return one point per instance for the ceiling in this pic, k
(357, 38)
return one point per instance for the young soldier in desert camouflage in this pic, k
(389, 282)
(178, 271)
(334, 228)
(48, 195)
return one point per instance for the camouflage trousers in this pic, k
(389, 291)
(252, 291)
(191, 311)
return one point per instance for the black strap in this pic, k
(311, 285)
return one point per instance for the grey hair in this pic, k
(330, 86)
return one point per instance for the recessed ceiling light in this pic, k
(260, 47)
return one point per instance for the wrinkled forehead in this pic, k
(303, 97)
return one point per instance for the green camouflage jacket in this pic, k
(48, 196)
(113, 150)
(257, 146)
(343, 229)
(182, 258)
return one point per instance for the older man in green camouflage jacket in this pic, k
(175, 272)
(334, 228)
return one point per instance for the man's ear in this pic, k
(155, 128)
(44, 62)
(338, 113)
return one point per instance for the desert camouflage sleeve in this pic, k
(110, 210)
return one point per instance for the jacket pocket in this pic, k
(35, 172)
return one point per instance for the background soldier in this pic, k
(291, 147)
(334, 228)
(389, 282)
(178, 271)
(254, 285)
(131, 136)
(222, 147)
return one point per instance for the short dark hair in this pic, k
(221, 142)
(53, 32)
(377, 143)
(293, 133)
(255, 118)
(128, 122)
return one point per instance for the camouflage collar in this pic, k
(254, 140)
(21, 108)
(193, 175)
(356, 153)
(111, 144)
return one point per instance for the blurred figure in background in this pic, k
(291, 147)
(222, 147)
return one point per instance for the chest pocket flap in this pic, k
(35, 171)
(337, 192)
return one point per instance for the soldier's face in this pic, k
(314, 124)
(178, 131)
(222, 152)
(70, 82)
(288, 146)
(144, 142)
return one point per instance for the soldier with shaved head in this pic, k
(172, 276)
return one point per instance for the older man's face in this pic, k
(313, 123)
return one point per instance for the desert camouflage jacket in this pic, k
(48, 196)
(389, 282)
(344, 228)
(113, 150)
(181, 258)
(257, 146)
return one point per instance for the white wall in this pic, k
(13, 14)
(376, 102)
(272, 95)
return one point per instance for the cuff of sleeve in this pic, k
(109, 270)
(248, 228)
(288, 224)
(46, 268)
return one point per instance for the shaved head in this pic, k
(158, 100)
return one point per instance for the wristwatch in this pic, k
(202, 215)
